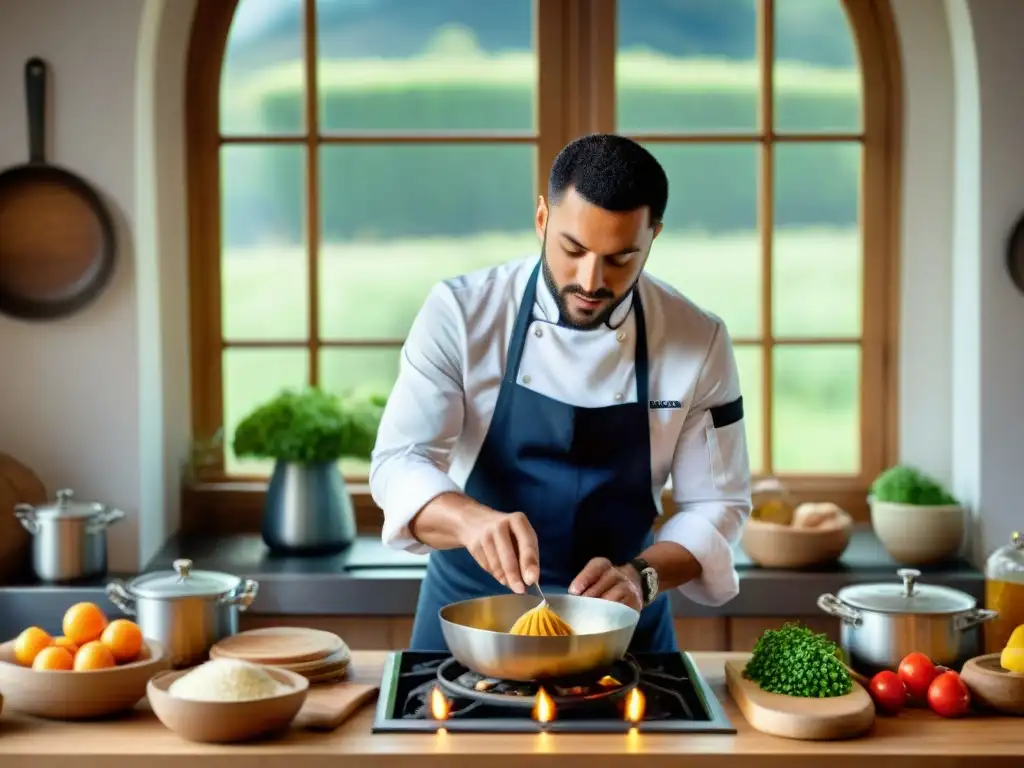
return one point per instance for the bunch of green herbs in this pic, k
(903, 484)
(795, 661)
(310, 426)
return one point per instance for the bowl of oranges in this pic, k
(95, 668)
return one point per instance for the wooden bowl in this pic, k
(66, 695)
(772, 545)
(992, 686)
(222, 722)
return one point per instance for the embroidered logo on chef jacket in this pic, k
(659, 405)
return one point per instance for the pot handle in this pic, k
(26, 515)
(973, 618)
(121, 597)
(242, 595)
(106, 518)
(833, 606)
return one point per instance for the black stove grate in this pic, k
(676, 699)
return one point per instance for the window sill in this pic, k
(235, 506)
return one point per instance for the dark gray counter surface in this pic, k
(370, 579)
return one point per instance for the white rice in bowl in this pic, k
(226, 680)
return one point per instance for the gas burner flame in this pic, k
(636, 705)
(544, 709)
(438, 705)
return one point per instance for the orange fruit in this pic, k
(123, 639)
(94, 655)
(63, 642)
(29, 643)
(53, 658)
(83, 623)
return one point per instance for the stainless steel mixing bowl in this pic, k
(477, 635)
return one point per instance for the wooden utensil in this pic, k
(57, 240)
(794, 717)
(992, 686)
(279, 646)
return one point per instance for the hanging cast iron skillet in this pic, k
(56, 236)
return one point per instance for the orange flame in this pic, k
(636, 705)
(544, 709)
(438, 705)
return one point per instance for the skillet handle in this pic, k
(35, 99)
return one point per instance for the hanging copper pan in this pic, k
(56, 236)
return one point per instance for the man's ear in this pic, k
(541, 220)
(657, 230)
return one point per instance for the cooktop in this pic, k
(657, 692)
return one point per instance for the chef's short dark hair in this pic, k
(611, 172)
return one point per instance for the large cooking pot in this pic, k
(476, 632)
(69, 538)
(187, 611)
(882, 623)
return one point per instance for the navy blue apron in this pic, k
(582, 476)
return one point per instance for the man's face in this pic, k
(592, 257)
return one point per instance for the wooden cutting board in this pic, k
(329, 705)
(793, 717)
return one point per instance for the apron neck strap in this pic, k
(525, 315)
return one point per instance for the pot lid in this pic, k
(65, 506)
(184, 582)
(908, 597)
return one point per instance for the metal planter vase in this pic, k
(308, 509)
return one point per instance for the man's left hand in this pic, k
(599, 578)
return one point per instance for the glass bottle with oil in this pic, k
(1004, 592)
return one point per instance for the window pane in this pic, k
(264, 265)
(817, 73)
(816, 261)
(361, 372)
(816, 409)
(410, 65)
(398, 218)
(709, 249)
(251, 377)
(686, 66)
(750, 361)
(262, 83)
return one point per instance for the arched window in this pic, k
(344, 156)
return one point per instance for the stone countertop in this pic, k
(369, 579)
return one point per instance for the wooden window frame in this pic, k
(575, 96)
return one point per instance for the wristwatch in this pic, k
(648, 580)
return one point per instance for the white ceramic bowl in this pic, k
(918, 535)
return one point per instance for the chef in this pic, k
(542, 405)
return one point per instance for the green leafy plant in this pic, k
(310, 427)
(903, 484)
(795, 661)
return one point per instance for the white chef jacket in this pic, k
(452, 365)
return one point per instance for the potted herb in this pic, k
(917, 520)
(306, 433)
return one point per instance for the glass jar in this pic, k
(1004, 592)
(771, 501)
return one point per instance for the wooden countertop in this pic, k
(913, 738)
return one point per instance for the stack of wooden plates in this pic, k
(320, 656)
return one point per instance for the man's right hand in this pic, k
(505, 545)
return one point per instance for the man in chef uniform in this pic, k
(541, 406)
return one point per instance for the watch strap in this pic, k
(642, 565)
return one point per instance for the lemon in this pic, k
(1012, 659)
(1016, 638)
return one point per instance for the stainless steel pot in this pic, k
(187, 611)
(69, 538)
(476, 632)
(882, 623)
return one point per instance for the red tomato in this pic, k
(948, 695)
(917, 673)
(888, 691)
